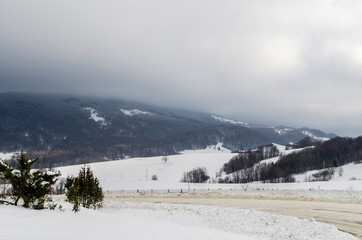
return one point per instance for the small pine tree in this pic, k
(84, 190)
(30, 186)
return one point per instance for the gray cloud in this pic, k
(294, 63)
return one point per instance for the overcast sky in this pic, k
(294, 63)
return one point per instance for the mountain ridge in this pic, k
(71, 129)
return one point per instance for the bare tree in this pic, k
(4, 187)
(340, 171)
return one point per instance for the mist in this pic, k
(293, 63)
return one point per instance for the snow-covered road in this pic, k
(161, 221)
(345, 216)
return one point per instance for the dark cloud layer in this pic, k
(294, 63)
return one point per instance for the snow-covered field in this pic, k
(119, 220)
(136, 174)
(159, 221)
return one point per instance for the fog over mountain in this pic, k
(72, 130)
(293, 63)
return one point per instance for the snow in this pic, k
(280, 148)
(94, 116)
(2, 163)
(136, 173)
(118, 220)
(282, 131)
(311, 135)
(221, 119)
(282, 151)
(9, 155)
(134, 112)
(218, 148)
(350, 171)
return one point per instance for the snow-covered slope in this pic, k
(218, 148)
(350, 172)
(134, 112)
(226, 120)
(95, 117)
(136, 173)
(9, 155)
(282, 151)
(282, 131)
(313, 136)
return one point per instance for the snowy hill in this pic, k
(136, 173)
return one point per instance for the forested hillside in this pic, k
(247, 166)
(65, 130)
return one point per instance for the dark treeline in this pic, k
(249, 158)
(333, 153)
(303, 143)
(329, 154)
(260, 172)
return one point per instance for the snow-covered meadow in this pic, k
(136, 174)
(119, 220)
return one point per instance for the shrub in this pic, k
(197, 175)
(322, 175)
(84, 190)
(30, 186)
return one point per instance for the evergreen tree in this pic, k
(84, 190)
(30, 186)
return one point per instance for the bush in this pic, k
(322, 175)
(84, 190)
(30, 186)
(197, 175)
